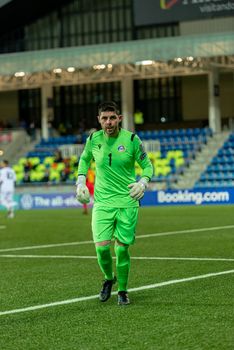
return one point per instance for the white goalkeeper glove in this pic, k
(138, 188)
(82, 191)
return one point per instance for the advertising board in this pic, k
(204, 196)
(170, 11)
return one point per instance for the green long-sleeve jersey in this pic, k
(115, 166)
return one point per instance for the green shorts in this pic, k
(119, 223)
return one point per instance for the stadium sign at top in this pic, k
(170, 11)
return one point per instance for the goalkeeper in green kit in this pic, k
(116, 194)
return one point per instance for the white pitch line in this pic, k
(180, 258)
(150, 286)
(215, 228)
(2, 227)
(47, 256)
(45, 246)
(94, 257)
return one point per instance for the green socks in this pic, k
(105, 260)
(122, 266)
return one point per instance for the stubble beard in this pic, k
(112, 131)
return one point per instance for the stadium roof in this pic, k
(16, 13)
(194, 54)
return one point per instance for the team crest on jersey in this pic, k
(121, 148)
(99, 146)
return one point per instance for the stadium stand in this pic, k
(178, 148)
(220, 171)
(55, 160)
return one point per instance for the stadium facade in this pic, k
(172, 60)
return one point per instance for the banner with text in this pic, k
(203, 196)
(169, 11)
(48, 201)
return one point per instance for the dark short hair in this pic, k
(108, 106)
(5, 162)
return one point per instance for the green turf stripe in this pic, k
(151, 286)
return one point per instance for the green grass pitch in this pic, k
(188, 312)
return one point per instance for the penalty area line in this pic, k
(53, 245)
(23, 256)
(42, 246)
(204, 229)
(146, 287)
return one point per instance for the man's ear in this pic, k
(120, 117)
(98, 118)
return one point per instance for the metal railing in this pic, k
(13, 143)
(71, 150)
(76, 150)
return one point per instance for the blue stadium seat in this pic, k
(220, 171)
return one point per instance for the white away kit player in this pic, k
(7, 186)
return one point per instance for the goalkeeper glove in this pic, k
(82, 191)
(138, 188)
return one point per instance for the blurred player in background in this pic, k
(116, 194)
(7, 185)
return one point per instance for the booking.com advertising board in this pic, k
(205, 196)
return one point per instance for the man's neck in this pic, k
(112, 136)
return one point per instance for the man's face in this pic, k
(110, 122)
